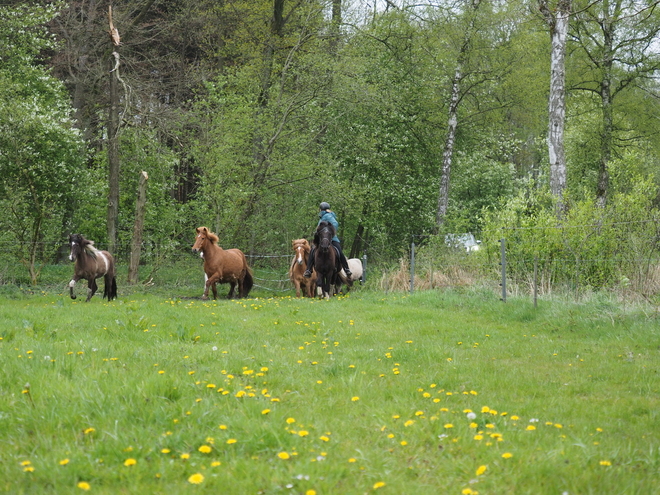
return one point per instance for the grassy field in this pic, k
(438, 392)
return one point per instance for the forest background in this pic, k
(534, 121)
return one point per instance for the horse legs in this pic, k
(91, 289)
(232, 287)
(72, 284)
(210, 283)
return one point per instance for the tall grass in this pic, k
(438, 392)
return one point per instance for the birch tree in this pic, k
(557, 18)
(455, 98)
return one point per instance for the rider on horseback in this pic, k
(327, 215)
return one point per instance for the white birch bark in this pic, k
(557, 20)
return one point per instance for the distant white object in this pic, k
(355, 265)
(463, 241)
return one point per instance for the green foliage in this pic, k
(40, 151)
(589, 247)
(481, 180)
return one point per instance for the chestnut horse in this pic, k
(222, 266)
(301, 249)
(326, 260)
(91, 264)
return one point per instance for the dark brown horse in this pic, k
(222, 266)
(90, 264)
(326, 260)
(298, 266)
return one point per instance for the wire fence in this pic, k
(492, 266)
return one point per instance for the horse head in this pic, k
(77, 243)
(300, 248)
(325, 232)
(204, 235)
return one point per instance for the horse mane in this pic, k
(86, 245)
(211, 236)
(301, 242)
(90, 249)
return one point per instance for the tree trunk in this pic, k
(448, 152)
(452, 121)
(140, 209)
(606, 105)
(356, 247)
(113, 160)
(557, 20)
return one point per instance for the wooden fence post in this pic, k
(412, 267)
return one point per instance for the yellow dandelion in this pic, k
(355, 399)
(165, 451)
(507, 455)
(352, 459)
(449, 425)
(530, 428)
(28, 469)
(205, 449)
(265, 411)
(215, 463)
(231, 441)
(290, 420)
(196, 478)
(64, 462)
(185, 456)
(324, 438)
(83, 485)
(284, 455)
(481, 470)
(310, 492)
(410, 422)
(130, 462)
(605, 463)
(379, 484)
(222, 427)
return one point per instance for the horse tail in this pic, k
(113, 289)
(110, 287)
(248, 281)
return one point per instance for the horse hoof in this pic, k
(73, 297)
(205, 298)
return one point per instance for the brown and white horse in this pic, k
(222, 266)
(90, 264)
(298, 266)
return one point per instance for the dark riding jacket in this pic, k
(331, 218)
